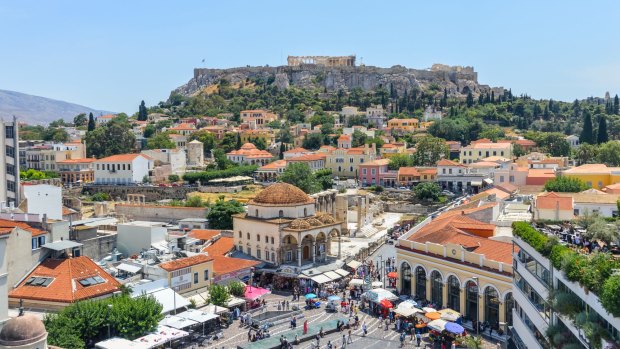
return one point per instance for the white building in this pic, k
(176, 158)
(9, 163)
(4, 280)
(573, 141)
(375, 115)
(122, 169)
(43, 199)
(195, 153)
(103, 119)
(135, 237)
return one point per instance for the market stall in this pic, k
(163, 335)
(252, 295)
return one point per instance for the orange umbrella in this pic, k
(393, 275)
(386, 304)
(433, 316)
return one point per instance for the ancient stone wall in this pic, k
(326, 61)
(150, 193)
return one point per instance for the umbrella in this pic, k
(429, 310)
(386, 304)
(310, 296)
(449, 314)
(377, 284)
(433, 315)
(333, 298)
(344, 304)
(454, 328)
(356, 282)
(410, 301)
(393, 275)
(437, 325)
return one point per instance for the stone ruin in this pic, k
(326, 61)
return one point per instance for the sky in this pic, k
(111, 54)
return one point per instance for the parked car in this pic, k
(448, 193)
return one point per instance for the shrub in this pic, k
(566, 303)
(609, 295)
(557, 255)
(173, 178)
(206, 176)
(236, 288)
(100, 196)
(530, 235)
(565, 184)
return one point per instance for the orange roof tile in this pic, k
(185, 262)
(502, 195)
(551, 201)
(184, 126)
(4, 223)
(204, 234)
(542, 172)
(297, 150)
(446, 162)
(65, 287)
(344, 138)
(308, 157)
(122, 158)
(76, 161)
(250, 150)
(273, 165)
(225, 265)
(408, 171)
(220, 247)
(507, 187)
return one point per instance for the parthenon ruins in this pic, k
(327, 61)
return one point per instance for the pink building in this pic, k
(377, 173)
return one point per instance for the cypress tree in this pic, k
(481, 99)
(602, 136)
(616, 105)
(238, 141)
(142, 113)
(91, 122)
(492, 96)
(470, 100)
(586, 133)
(282, 149)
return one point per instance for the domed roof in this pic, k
(299, 224)
(314, 222)
(22, 330)
(248, 146)
(282, 194)
(326, 219)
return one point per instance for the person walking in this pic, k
(418, 339)
(349, 340)
(306, 327)
(364, 329)
(287, 305)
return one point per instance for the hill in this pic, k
(39, 110)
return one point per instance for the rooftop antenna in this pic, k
(203, 61)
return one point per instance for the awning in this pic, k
(198, 316)
(476, 183)
(354, 264)
(488, 181)
(121, 343)
(332, 275)
(356, 282)
(175, 321)
(379, 294)
(161, 335)
(341, 272)
(437, 325)
(169, 299)
(130, 268)
(61, 245)
(234, 301)
(406, 311)
(253, 293)
(321, 279)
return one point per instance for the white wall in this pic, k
(134, 237)
(605, 210)
(139, 168)
(44, 199)
(4, 288)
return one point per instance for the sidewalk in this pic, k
(313, 329)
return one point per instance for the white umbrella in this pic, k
(356, 282)
(429, 310)
(377, 284)
(437, 325)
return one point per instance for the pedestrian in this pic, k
(249, 335)
(329, 344)
(318, 339)
(349, 340)
(287, 305)
(418, 339)
(364, 328)
(305, 326)
(344, 340)
(402, 339)
(453, 346)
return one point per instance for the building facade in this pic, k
(190, 273)
(9, 163)
(122, 169)
(484, 148)
(76, 171)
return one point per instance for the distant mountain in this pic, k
(39, 110)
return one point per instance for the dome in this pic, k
(314, 222)
(326, 219)
(22, 330)
(282, 194)
(299, 224)
(248, 146)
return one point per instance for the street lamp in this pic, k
(475, 278)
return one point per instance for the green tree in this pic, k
(429, 150)
(218, 295)
(312, 141)
(80, 120)
(228, 142)
(472, 342)
(517, 150)
(427, 191)
(602, 136)
(91, 122)
(284, 135)
(142, 113)
(220, 215)
(586, 153)
(259, 142)
(300, 175)
(325, 178)
(616, 105)
(173, 178)
(609, 153)
(221, 160)
(161, 141)
(470, 100)
(358, 138)
(56, 135)
(238, 144)
(194, 201)
(206, 138)
(282, 150)
(400, 160)
(115, 137)
(565, 184)
(609, 295)
(149, 131)
(492, 132)
(586, 133)
(236, 288)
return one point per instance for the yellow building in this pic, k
(267, 135)
(190, 273)
(345, 162)
(484, 148)
(595, 175)
(449, 262)
(404, 125)
(388, 150)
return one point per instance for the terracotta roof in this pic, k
(344, 138)
(282, 194)
(122, 158)
(485, 144)
(356, 151)
(450, 222)
(408, 171)
(184, 126)
(500, 194)
(4, 223)
(250, 150)
(507, 187)
(550, 201)
(5, 231)
(613, 186)
(66, 287)
(273, 165)
(379, 162)
(220, 247)
(297, 150)
(430, 171)
(308, 157)
(589, 168)
(204, 234)
(67, 211)
(185, 262)
(225, 265)
(76, 161)
(446, 162)
(591, 198)
(481, 164)
(541, 172)
(107, 116)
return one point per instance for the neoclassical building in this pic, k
(451, 262)
(283, 226)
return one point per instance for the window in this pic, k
(273, 256)
(436, 289)
(258, 253)
(206, 274)
(305, 212)
(10, 169)
(37, 242)
(449, 171)
(420, 282)
(258, 237)
(272, 240)
(289, 256)
(443, 171)
(512, 179)
(240, 248)
(364, 171)
(372, 171)
(255, 213)
(195, 278)
(248, 235)
(454, 293)
(535, 299)
(491, 306)
(471, 300)
(10, 151)
(10, 186)
(42, 281)
(9, 131)
(501, 179)
(249, 251)
(266, 255)
(280, 213)
(240, 234)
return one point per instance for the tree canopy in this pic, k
(427, 191)
(161, 141)
(114, 137)
(565, 184)
(300, 175)
(220, 215)
(429, 150)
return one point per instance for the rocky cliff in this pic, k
(457, 80)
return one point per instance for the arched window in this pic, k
(258, 237)
(405, 271)
(420, 283)
(454, 293)
(436, 289)
(280, 213)
(248, 236)
(273, 257)
(471, 301)
(240, 234)
(266, 255)
(491, 306)
(305, 212)
(509, 303)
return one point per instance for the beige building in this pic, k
(345, 162)
(484, 148)
(450, 263)
(190, 273)
(282, 227)
(257, 118)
